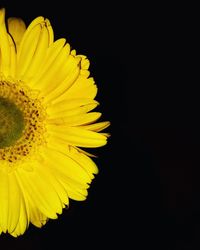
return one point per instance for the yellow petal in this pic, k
(33, 47)
(60, 171)
(50, 31)
(68, 173)
(13, 57)
(67, 166)
(4, 198)
(97, 127)
(37, 218)
(62, 194)
(56, 72)
(62, 73)
(4, 45)
(84, 161)
(16, 28)
(40, 192)
(39, 54)
(74, 192)
(72, 107)
(85, 64)
(82, 88)
(62, 87)
(77, 136)
(14, 202)
(27, 49)
(52, 52)
(23, 220)
(37, 21)
(75, 120)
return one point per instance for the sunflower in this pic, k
(46, 95)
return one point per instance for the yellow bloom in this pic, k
(46, 96)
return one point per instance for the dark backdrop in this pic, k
(147, 192)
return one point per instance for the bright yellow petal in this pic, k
(13, 57)
(37, 21)
(52, 53)
(72, 107)
(77, 136)
(82, 88)
(67, 172)
(61, 193)
(67, 166)
(97, 127)
(75, 120)
(14, 202)
(4, 198)
(59, 89)
(39, 54)
(41, 193)
(37, 218)
(56, 73)
(23, 220)
(27, 50)
(50, 31)
(4, 45)
(85, 64)
(75, 193)
(16, 28)
(84, 161)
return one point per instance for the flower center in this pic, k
(22, 122)
(11, 123)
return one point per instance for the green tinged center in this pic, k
(11, 123)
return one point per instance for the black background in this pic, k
(147, 192)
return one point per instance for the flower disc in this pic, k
(11, 123)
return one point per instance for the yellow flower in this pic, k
(46, 96)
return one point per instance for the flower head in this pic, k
(46, 99)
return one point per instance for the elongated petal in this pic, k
(67, 166)
(4, 45)
(74, 192)
(17, 28)
(82, 88)
(37, 218)
(28, 32)
(27, 49)
(61, 193)
(57, 73)
(97, 127)
(13, 57)
(4, 198)
(75, 120)
(14, 202)
(84, 161)
(77, 136)
(39, 54)
(45, 199)
(67, 172)
(23, 220)
(71, 106)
